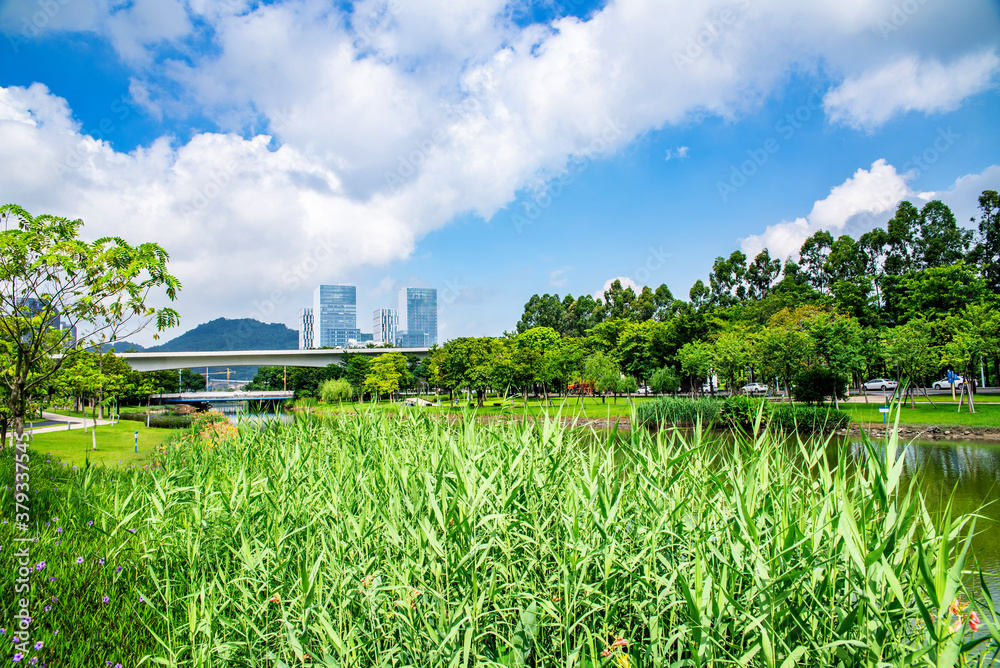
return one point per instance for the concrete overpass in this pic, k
(157, 361)
(221, 397)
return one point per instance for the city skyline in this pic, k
(331, 322)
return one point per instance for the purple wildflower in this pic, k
(40, 565)
(90, 523)
(131, 530)
(59, 530)
(118, 570)
(17, 657)
(100, 561)
(79, 560)
(38, 645)
(52, 579)
(105, 599)
(47, 608)
(141, 599)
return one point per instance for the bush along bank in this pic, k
(742, 413)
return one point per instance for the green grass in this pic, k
(986, 415)
(369, 541)
(115, 444)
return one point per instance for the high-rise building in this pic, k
(305, 328)
(385, 322)
(418, 322)
(335, 316)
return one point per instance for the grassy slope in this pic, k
(115, 443)
(986, 415)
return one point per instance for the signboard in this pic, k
(883, 409)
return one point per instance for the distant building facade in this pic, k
(306, 328)
(418, 326)
(385, 323)
(335, 316)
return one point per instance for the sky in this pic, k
(489, 149)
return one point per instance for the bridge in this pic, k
(157, 361)
(221, 397)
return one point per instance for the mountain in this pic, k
(226, 334)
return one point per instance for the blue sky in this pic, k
(490, 149)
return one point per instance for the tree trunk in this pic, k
(928, 398)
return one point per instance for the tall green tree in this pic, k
(101, 288)
(986, 253)
(910, 348)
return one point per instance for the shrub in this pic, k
(741, 411)
(332, 391)
(808, 419)
(164, 420)
(674, 410)
(665, 380)
(813, 386)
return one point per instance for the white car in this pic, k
(881, 384)
(943, 384)
(754, 389)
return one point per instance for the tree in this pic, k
(986, 253)
(731, 356)
(728, 279)
(386, 374)
(975, 333)
(544, 311)
(600, 371)
(812, 259)
(761, 274)
(696, 361)
(939, 241)
(837, 343)
(665, 380)
(910, 348)
(620, 303)
(783, 350)
(899, 240)
(52, 282)
(335, 390)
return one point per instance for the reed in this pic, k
(373, 541)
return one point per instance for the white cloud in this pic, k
(910, 84)
(626, 283)
(558, 278)
(679, 153)
(373, 128)
(866, 200)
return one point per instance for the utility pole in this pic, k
(284, 383)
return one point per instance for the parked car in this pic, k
(707, 389)
(754, 389)
(943, 384)
(881, 384)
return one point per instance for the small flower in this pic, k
(141, 599)
(79, 560)
(100, 561)
(105, 599)
(52, 579)
(59, 530)
(38, 645)
(131, 530)
(40, 565)
(90, 523)
(47, 608)
(118, 570)
(274, 599)
(118, 665)
(17, 657)
(973, 621)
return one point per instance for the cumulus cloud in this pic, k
(910, 84)
(866, 200)
(679, 153)
(626, 283)
(345, 135)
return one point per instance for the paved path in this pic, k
(65, 423)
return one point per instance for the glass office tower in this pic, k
(385, 322)
(306, 327)
(418, 322)
(335, 316)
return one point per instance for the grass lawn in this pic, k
(986, 415)
(115, 443)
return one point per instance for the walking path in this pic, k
(56, 422)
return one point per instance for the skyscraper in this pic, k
(306, 328)
(418, 321)
(335, 316)
(385, 322)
